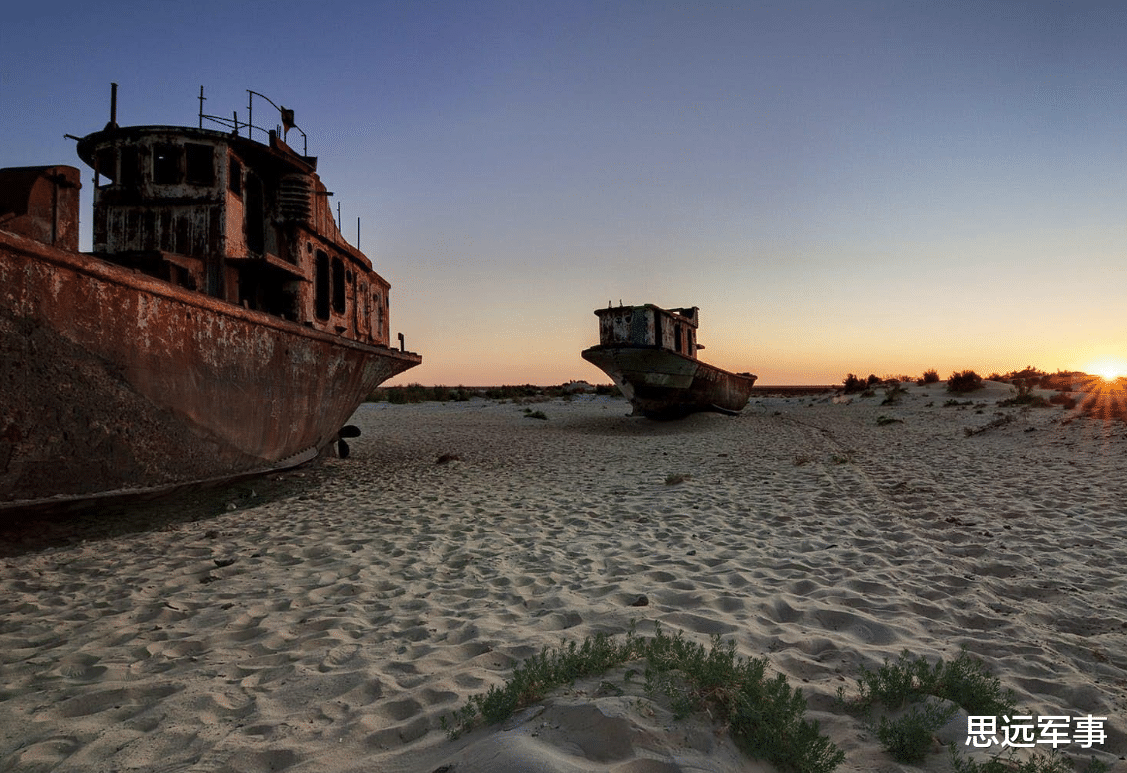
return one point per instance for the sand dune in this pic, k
(331, 619)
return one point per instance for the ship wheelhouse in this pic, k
(239, 220)
(650, 326)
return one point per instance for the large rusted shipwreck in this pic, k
(651, 354)
(221, 326)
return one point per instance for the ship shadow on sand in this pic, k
(33, 530)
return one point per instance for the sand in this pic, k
(326, 620)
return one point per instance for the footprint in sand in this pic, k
(43, 755)
(124, 702)
(338, 656)
(80, 666)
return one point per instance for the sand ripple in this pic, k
(329, 625)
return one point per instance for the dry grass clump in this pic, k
(893, 393)
(1064, 400)
(1024, 396)
(999, 420)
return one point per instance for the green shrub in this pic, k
(908, 739)
(963, 681)
(765, 716)
(1053, 762)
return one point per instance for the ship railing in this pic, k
(236, 125)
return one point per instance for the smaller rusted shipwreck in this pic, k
(651, 354)
(222, 326)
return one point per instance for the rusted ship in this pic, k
(651, 354)
(221, 326)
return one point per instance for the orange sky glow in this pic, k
(861, 187)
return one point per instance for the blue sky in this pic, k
(839, 186)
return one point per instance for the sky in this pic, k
(840, 187)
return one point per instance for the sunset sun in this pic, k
(1108, 370)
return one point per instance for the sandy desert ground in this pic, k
(326, 620)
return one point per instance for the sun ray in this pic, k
(1109, 368)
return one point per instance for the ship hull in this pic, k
(661, 384)
(118, 382)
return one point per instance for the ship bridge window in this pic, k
(321, 286)
(166, 164)
(254, 215)
(338, 285)
(130, 167)
(105, 164)
(200, 164)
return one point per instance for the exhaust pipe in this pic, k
(113, 107)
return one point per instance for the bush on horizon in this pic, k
(1028, 373)
(417, 393)
(966, 381)
(1061, 381)
(854, 384)
(929, 377)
